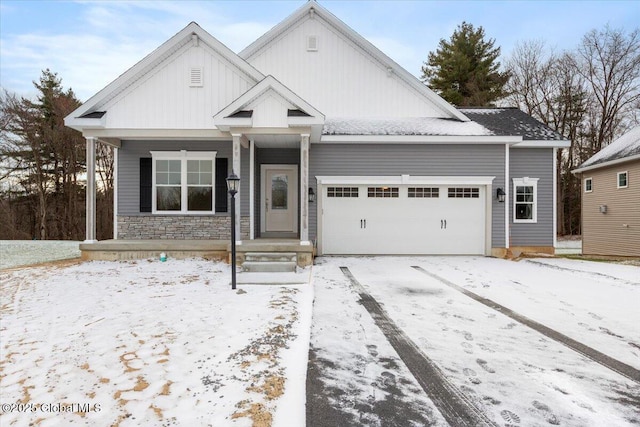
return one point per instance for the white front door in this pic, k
(279, 198)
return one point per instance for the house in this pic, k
(611, 198)
(338, 148)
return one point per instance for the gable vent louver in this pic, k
(196, 78)
(312, 43)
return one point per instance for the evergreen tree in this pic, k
(464, 70)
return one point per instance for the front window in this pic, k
(525, 200)
(588, 185)
(183, 182)
(622, 180)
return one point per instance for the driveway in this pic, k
(472, 341)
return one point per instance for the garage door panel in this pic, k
(403, 220)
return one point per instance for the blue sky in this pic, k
(90, 43)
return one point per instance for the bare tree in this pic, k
(546, 86)
(609, 60)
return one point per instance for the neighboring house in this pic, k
(611, 198)
(336, 145)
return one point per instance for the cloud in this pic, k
(108, 39)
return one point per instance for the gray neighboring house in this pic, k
(336, 145)
(611, 198)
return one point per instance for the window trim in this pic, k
(626, 179)
(590, 190)
(183, 156)
(525, 182)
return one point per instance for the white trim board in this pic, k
(405, 180)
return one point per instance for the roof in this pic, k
(627, 147)
(430, 126)
(512, 121)
(192, 33)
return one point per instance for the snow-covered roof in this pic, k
(512, 121)
(627, 145)
(402, 126)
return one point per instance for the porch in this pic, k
(117, 249)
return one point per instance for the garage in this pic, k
(404, 215)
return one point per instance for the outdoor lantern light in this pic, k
(312, 195)
(233, 181)
(500, 195)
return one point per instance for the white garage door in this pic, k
(403, 219)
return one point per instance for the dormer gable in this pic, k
(269, 104)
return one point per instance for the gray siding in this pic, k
(129, 168)
(426, 160)
(534, 163)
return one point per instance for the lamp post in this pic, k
(233, 181)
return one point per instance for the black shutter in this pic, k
(146, 181)
(222, 165)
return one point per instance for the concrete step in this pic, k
(269, 267)
(271, 257)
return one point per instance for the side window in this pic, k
(623, 179)
(525, 200)
(588, 186)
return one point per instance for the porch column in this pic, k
(252, 189)
(90, 236)
(236, 169)
(304, 188)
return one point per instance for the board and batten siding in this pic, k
(412, 159)
(129, 169)
(339, 79)
(164, 98)
(533, 163)
(616, 232)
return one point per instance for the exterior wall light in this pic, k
(500, 195)
(312, 195)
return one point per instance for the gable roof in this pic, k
(267, 84)
(625, 148)
(192, 33)
(314, 9)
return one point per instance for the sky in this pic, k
(90, 43)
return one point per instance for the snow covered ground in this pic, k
(150, 343)
(512, 373)
(15, 253)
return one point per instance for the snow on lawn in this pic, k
(151, 343)
(15, 253)
(513, 373)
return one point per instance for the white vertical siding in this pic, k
(163, 99)
(269, 110)
(339, 79)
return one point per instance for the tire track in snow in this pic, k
(454, 405)
(593, 354)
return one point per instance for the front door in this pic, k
(279, 198)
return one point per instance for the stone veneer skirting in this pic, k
(179, 227)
